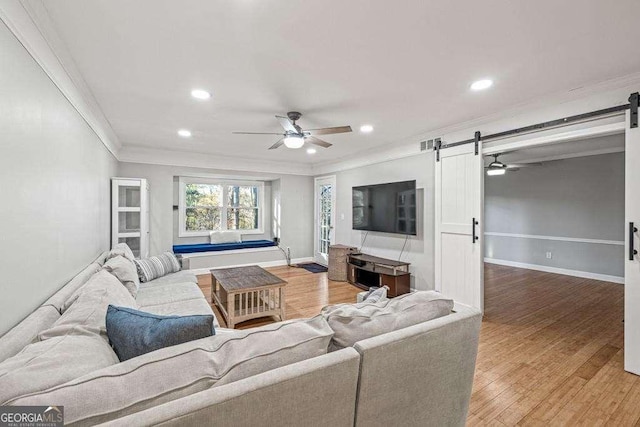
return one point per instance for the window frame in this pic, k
(182, 205)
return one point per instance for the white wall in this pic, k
(289, 195)
(55, 186)
(580, 198)
(419, 249)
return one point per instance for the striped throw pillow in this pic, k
(156, 266)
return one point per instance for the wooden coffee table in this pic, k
(243, 293)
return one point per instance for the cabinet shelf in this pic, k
(129, 234)
(130, 214)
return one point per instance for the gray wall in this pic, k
(290, 196)
(419, 250)
(576, 198)
(55, 186)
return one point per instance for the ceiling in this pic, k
(564, 150)
(403, 67)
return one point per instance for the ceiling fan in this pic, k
(295, 137)
(496, 167)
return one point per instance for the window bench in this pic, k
(218, 247)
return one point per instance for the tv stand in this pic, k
(366, 271)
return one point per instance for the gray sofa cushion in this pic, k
(86, 316)
(180, 308)
(169, 292)
(46, 364)
(355, 322)
(177, 277)
(61, 299)
(178, 371)
(125, 271)
(25, 332)
(121, 249)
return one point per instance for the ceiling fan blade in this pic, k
(317, 141)
(522, 165)
(329, 131)
(257, 133)
(286, 124)
(277, 144)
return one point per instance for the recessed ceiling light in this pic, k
(366, 128)
(311, 151)
(200, 94)
(184, 133)
(481, 84)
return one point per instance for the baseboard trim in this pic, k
(266, 264)
(556, 270)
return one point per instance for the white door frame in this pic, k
(331, 179)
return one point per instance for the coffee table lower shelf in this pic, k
(246, 304)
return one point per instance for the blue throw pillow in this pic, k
(133, 333)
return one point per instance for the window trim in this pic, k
(182, 205)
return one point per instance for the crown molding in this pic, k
(136, 154)
(30, 23)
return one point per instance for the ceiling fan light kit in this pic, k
(496, 171)
(293, 141)
(295, 137)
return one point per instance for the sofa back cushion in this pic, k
(355, 322)
(125, 271)
(25, 332)
(62, 299)
(157, 266)
(174, 372)
(121, 249)
(45, 364)
(86, 316)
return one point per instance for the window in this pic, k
(211, 205)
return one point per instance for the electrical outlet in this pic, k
(549, 255)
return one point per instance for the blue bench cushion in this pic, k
(208, 247)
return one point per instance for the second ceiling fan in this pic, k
(295, 137)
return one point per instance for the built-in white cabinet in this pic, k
(130, 214)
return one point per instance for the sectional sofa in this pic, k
(280, 374)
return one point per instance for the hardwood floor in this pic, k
(551, 352)
(306, 294)
(550, 346)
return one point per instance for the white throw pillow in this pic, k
(225, 237)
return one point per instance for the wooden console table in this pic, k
(366, 270)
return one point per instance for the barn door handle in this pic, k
(632, 231)
(474, 238)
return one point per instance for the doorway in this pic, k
(325, 201)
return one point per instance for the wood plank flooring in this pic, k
(550, 346)
(306, 294)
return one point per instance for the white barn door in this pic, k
(458, 227)
(632, 260)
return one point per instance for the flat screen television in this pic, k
(388, 208)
